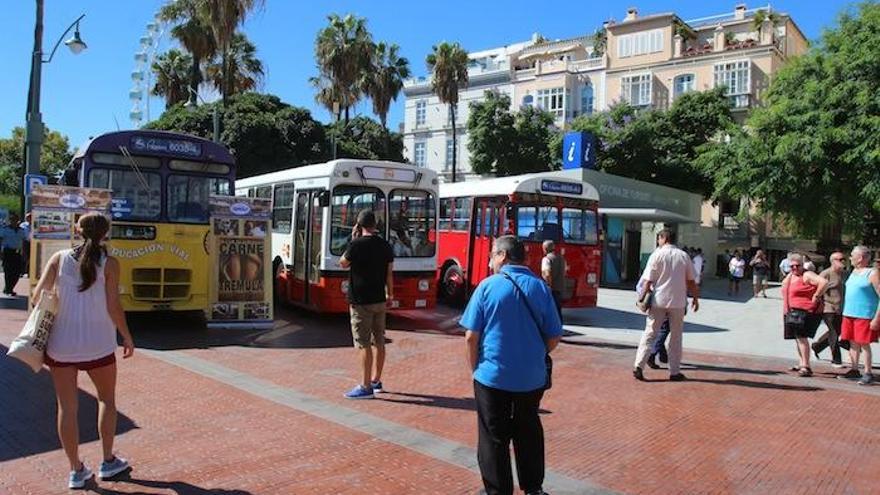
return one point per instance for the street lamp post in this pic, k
(191, 105)
(34, 128)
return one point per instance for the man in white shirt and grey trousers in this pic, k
(670, 274)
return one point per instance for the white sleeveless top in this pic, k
(83, 329)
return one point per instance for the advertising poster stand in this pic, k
(241, 282)
(55, 210)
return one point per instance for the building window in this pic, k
(630, 45)
(528, 100)
(449, 152)
(636, 90)
(683, 84)
(421, 112)
(420, 154)
(552, 100)
(587, 99)
(735, 76)
(449, 114)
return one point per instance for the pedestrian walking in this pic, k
(670, 275)
(12, 237)
(760, 273)
(801, 291)
(83, 338)
(785, 265)
(861, 314)
(737, 270)
(699, 263)
(553, 273)
(832, 307)
(658, 347)
(511, 327)
(370, 259)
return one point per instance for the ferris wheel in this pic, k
(141, 76)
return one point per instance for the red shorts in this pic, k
(82, 365)
(857, 330)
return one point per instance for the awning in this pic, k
(647, 215)
(550, 50)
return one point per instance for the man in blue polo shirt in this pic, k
(511, 323)
(12, 237)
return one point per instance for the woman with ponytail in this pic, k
(83, 338)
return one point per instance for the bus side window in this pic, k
(445, 214)
(462, 215)
(282, 209)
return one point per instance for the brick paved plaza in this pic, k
(245, 412)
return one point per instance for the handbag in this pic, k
(548, 361)
(796, 317)
(645, 302)
(30, 345)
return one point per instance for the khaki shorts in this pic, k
(368, 324)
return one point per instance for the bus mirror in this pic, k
(324, 198)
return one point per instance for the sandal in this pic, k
(794, 368)
(805, 372)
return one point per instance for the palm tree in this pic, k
(326, 95)
(224, 17)
(194, 33)
(385, 81)
(760, 15)
(343, 52)
(448, 64)
(246, 70)
(172, 70)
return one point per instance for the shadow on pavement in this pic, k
(293, 328)
(751, 384)
(28, 412)
(608, 318)
(19, 302)
(443, 402)
(177, 487)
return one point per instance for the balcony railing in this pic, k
(740, 102)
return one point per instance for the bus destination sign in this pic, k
(553, 186)
(167, 146)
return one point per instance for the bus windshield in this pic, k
(537, 223)
(412, 223)
(579, 226)
(346, 203)
(138, 199)
(188, 197)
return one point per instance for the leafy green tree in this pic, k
(811, 154)
(55, 156)
(385, 80)
(503, 143)
(363, 137)
(448, 64)
(246, 70)
(192, 30)
(172, 70)
(264, 133)
(344, 55)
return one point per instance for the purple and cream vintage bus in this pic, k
(161, 182)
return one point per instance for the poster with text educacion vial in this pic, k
(241, 278)
(54, 213)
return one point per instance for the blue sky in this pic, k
(86, 94)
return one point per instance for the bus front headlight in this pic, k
(344, 286)
(424, 285)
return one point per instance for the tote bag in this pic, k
(30, 345)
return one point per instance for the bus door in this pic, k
(485, 226)
(307, 235)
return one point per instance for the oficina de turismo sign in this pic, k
(554, 186)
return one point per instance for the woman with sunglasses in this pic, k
(801, 293)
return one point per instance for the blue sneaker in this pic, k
(110, 469)
(377, 387)
(79, 478)
(359, 392)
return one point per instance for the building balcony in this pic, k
(740, 102)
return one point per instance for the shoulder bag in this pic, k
(548, 361)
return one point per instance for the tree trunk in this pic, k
(195, 78)
(384, 118)
(454, 144)
(346, 116)
(225, 85)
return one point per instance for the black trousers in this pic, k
(557, 298)
(831, 337)
(503, 417)
(12, 266)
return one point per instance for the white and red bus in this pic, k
(314, 209)
(535, 208)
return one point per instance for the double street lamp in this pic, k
(191, 105)
(34, 129)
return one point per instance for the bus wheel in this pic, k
(452, 285)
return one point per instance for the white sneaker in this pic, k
(112, 468)
(79, 478)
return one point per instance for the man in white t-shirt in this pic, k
(669, 274)
(699, 262)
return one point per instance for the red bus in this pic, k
(535, 208)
